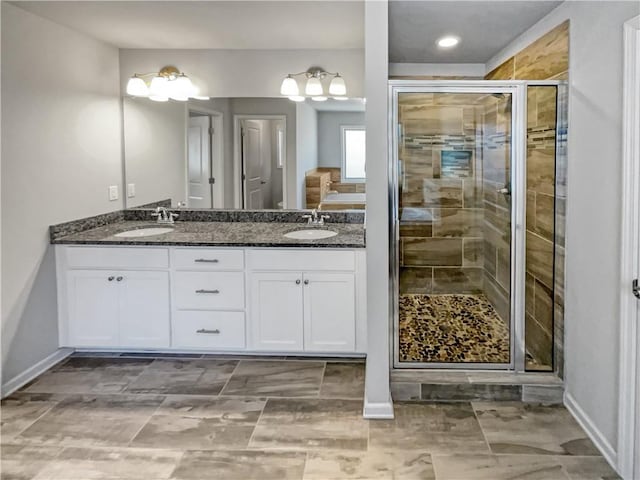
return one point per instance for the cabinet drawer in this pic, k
(303, 259)
(117, 258)
(209, 290)
(207, 259)
(208, 330)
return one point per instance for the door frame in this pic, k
(238, 167)
(216, 149)
(629, 387)
(518, 90)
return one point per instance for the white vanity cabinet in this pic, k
(303, 300)
(271, 300)
(113, 307)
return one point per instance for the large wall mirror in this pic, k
(245, 153)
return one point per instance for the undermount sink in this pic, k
(310, 234)
(144, 232)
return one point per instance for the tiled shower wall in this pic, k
(545, 59)
(496, 153)
(441, 218)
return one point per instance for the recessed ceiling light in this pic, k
(448, 41)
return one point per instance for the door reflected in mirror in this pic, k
(245, 153)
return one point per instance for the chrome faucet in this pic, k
(315, 219)
(164, 216)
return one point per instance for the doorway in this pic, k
(260, 167)
(205, 169)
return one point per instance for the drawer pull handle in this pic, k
(206, 260)
(211, 332)
(207, 291)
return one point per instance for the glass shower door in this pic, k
(453, 217)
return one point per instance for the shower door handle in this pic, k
(504, 191)
(635, 288)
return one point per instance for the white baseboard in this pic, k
(378, 410)
(32, 372)
(596, 436)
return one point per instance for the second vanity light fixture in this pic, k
(313, 87)
(168, 83)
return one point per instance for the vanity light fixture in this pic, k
(313, 87)
(448, 41)
(168, 83)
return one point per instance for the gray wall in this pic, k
(329, 135)
(594, 185)
(155, 146)
(61, 150)
(306, 148)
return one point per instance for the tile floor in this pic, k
(451, 329)
(229, 419)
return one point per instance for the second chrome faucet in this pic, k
(315, 219)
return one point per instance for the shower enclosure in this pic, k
(473, 182)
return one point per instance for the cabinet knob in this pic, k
(207, 291)
(306, 282)
(119, 279)
(111, 278)
(206, 260)
(298, 282)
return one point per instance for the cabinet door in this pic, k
(276, 311)
(329, 312)
(92, 297)
(144, 309)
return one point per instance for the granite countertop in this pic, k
(227, 234)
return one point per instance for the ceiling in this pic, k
(485, 28)
(253, 25)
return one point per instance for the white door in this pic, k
(199, 162)
(329, 312)
(276, 311)
(144, 309)
(252, 159)
(93, 308)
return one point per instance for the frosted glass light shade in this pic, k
(159, 87)
(337, 86)
(319, 99)
(183, 87)
(297, 98)
(314, 87)
(158, 98)
(136, 87)
(289, 87)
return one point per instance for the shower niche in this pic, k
(465, 182)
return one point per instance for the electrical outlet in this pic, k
(131, 190)
(113, 193)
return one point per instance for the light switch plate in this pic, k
(113, 193)
(131, 190)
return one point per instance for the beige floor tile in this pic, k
(588, 468)
(498, 467)
(184, 377)
(92, 420)
(343, 380)
(21, 410)
(276, 379)
(196, 423)
(23, 462)
(110, 464)
(430, 427)
(369, 466)
(240, 465)
(302, 424)
(532, 429)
